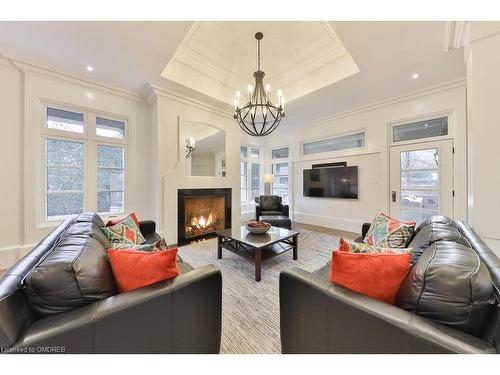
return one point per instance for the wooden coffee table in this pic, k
(258, 247)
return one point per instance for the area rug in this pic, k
(250, 309)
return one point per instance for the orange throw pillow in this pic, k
(134, 269)
(120, 219)
(374, 275)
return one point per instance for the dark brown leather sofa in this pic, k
(318, 317)
(181, 315)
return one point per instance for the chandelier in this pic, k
(259, 117)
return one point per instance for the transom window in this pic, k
(343, 142)
(422, 129)
(84, 163)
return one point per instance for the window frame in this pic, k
(249, 159)
(426, 117)
(90, 141)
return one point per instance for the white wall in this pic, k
(483, 80)
(22, 92)
(11, 197)
(373, 158)
(169, 113)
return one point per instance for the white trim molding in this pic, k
(379, 104)
(457, 34)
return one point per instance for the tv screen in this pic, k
(337, 182)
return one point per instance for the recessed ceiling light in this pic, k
(415, 75)
(90, 68)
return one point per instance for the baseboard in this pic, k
(349, 225)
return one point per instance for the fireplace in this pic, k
(201, 212)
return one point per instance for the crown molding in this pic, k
(31, 68)
(383, 103)
(456, 34)
(153, 90)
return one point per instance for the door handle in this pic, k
(394, 195)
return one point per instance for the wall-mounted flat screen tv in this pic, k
(336, 182)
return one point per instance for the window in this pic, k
(82, 171)
(110, 179)
(64, 120)
(243, 151)
(343, 142)
(64, 178)
(250, 173)
(422, 129)
(244, 181)
(280, 185)
(254, 153)
(280, 153)
(110, 128)
(255, 181)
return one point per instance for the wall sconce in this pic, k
(190, 147)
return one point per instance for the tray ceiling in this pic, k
(219, 58)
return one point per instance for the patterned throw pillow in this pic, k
(126, 231)
(388, 232)
(120, 219)
(157, 246)
(357, 247)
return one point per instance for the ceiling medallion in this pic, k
(259, 117)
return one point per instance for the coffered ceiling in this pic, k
(219, 58)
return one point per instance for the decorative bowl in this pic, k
(258, 227)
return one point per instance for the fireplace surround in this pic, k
(201, 212)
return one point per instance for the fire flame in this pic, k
(202, 221)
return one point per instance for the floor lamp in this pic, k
(268, 182)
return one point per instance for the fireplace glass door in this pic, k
(203, 215)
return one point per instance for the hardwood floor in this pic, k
(333, 232)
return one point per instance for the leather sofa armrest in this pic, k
(147, 227)
(286, 210)
(258, 211)
(182, 315)
(317, 316)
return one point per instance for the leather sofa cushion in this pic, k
(88, 229)
(89, 217)
(449, 284)
(276, 213)
(436, 219)
(270, 202)
(431, 233)
(76, 272)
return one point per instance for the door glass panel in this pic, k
(419, 184)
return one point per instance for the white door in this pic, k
(421, 180)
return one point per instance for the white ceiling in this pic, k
(219, 58)
(128, 55)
